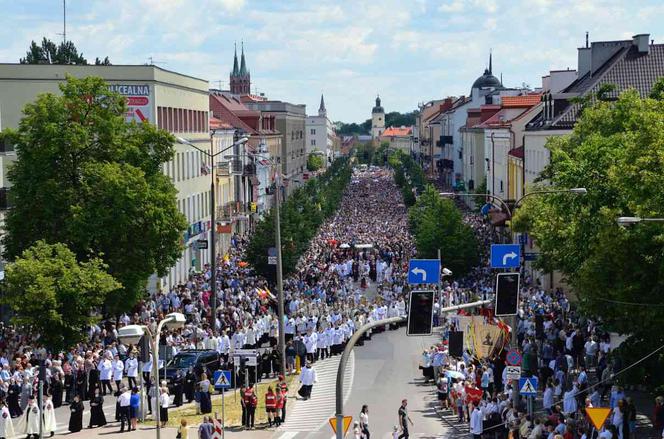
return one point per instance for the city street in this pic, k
(232, 192)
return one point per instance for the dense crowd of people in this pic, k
(365, 245)
(568, 353)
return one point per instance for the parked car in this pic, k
(201, 360)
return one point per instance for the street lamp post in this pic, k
(213, 231)
(277, 243)
(503, 203)
(133, 333)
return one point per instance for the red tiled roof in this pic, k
(516, 152)
(222, 108)
(397, 132)
(523, 101)
(216, 123)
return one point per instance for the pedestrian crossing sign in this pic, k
(347, 421)
(528, 386)
(222, 379)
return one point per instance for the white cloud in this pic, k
(452, 7)
(232, 5)
(406, 50)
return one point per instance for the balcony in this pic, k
(225, 213)
(249, 170)
(6, 146)
(5, 199)
(223, 169)
(236, 167)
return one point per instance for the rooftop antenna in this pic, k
(586, 39)
(64, 21)
(153, 62)
(218, 82)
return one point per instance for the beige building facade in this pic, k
(172, 101)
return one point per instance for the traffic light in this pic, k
(455, 344)
(420, 313)
(507, 294)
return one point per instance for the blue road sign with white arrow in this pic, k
(528, 386)
(505, 255)
(222, 379)
(424, 271)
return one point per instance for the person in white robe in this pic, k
(29, 422)
(50, 424)
(6, 425)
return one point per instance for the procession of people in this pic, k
(353, 272)
(364, 247)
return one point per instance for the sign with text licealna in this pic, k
(139, 101)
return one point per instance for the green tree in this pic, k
(54, 295)
(365, 153)
(86, 178)
(302, 213)
(50, 53)
(315, 162)
(615, 151)
(436, 223)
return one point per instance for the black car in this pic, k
(200, 360)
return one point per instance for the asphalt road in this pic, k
(386, 371)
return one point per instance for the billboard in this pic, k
(139, 101)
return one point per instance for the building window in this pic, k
(313, 131)
(501, 185)
(460, 154)
(313, 142)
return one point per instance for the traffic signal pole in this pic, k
(351, 344)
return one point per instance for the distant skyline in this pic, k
(408, 51)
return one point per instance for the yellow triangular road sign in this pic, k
(347, 421)
(598, 415)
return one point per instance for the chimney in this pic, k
(641, 42)
(585, 60)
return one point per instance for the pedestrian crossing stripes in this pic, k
(452, 420)
(310, 415)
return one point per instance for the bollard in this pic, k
(298, 366)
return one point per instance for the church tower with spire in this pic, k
(322, 112)
(240, 78)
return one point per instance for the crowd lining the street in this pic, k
(365, 245)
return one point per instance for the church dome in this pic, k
(487, 80)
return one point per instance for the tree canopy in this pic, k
(616, 151)
(86, 178)
(302, 213)
(55, 295)
(436, 223)
(50, 53)
(315, 162)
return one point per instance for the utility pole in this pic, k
(280, 284)
(64, 21)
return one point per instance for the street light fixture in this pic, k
(277, 242)
(627, 220)
(501, 201)
(131, 334)
(213, 231)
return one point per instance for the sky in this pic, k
(408, 51)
